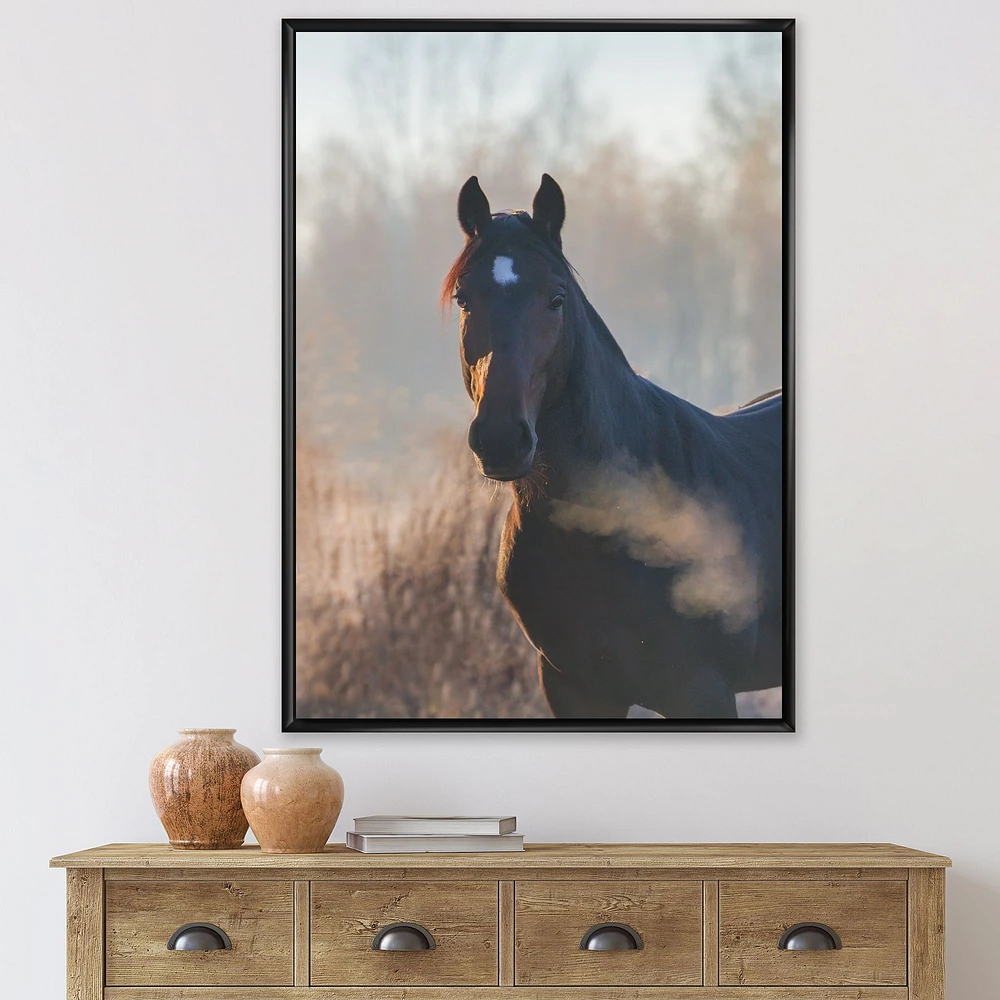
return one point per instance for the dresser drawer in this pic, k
(868, 917)
(551, 920)
(255, 917)
(461, 919)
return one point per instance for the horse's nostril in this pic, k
(527, 436)
(474, 441)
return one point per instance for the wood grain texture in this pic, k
(710, 947)
(302, 911)
(869, 917)
(552, 917)
(552, 856)
(452, 873)
(257, 916)
(461, 916)
(511, 993)
(926, 943)
(84, 934)
(859, 888)
(506, 938)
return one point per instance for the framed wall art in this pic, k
(537, 375)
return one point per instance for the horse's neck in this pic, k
(594, 413)
(602, 389)
(607, 414)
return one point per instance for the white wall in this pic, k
(139, 417)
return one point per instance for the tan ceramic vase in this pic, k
(195, 786)
(292, 800)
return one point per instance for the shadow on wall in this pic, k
(971, 919)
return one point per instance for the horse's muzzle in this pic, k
(504, 449)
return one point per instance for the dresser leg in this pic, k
(926, 937)
(84, 933)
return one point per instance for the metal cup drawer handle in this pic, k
(199, 937)
(611, 937)
(403, 937)
(810, 937)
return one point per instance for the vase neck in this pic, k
(216, 735)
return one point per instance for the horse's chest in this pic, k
(560, 584)
(593, 610)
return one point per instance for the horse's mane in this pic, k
(503, 227)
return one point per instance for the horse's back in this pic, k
(756, 429)
(771, 396)
(763, 410)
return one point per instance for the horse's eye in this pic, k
(462, 304)
(557, 302)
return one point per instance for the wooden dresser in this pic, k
(558, 922)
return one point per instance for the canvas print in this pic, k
(538, 336)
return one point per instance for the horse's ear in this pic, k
(473, 208)
(548, 210)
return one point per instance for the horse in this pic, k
(642, 552)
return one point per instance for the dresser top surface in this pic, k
(534, 856)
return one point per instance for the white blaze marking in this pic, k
(503, 271)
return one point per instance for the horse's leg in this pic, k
(569, 700)
(702, 695)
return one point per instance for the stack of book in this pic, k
(434, 834)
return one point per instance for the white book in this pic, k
(401, 844)
(436, 825)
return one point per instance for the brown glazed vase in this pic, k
(195, 786)
(292, 800)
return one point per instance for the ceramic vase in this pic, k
(292, 800)
(195, 786)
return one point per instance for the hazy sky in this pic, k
(651, 84)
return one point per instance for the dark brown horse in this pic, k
(642, 552)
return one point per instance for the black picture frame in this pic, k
(290, 721)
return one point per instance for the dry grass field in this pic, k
(398, 613)
(398, 616)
